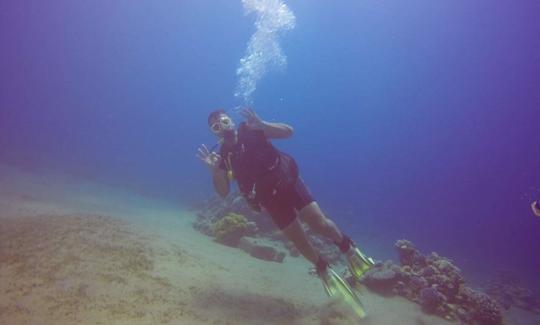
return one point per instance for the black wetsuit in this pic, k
(266, 176)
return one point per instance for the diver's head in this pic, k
(221, 124)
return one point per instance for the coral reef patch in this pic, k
(229, 229)
(507, 290)
(436, 284)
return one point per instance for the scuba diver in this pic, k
(535, 206)
(269, 179)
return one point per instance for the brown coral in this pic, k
(229, 229)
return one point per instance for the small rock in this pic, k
(381, 279)
(260, 251)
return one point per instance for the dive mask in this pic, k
(224, 123)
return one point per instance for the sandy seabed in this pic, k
(73, 252)
(100, 270)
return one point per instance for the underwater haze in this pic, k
(412, 119)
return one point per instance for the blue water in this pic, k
(413, 119)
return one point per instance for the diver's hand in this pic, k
(211, 159)
(534, 208)
(252, 119)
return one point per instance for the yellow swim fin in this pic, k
(358, 262)
(335, 286)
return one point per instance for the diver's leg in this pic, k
(358, 262)
(297, 235)
(315, 218)
(334, 285)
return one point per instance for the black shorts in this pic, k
(285, 204)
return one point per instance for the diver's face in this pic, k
(222, 126)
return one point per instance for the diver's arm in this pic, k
(277, 130)
(221, 183)
(219, 176)
(271, 130)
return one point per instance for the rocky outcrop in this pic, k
(435, 283)
(261, 251)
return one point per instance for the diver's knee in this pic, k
(322, 223)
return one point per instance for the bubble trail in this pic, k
(263, 50)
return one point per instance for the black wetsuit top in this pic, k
(251, 157)
(266, 176)
(257, 165)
